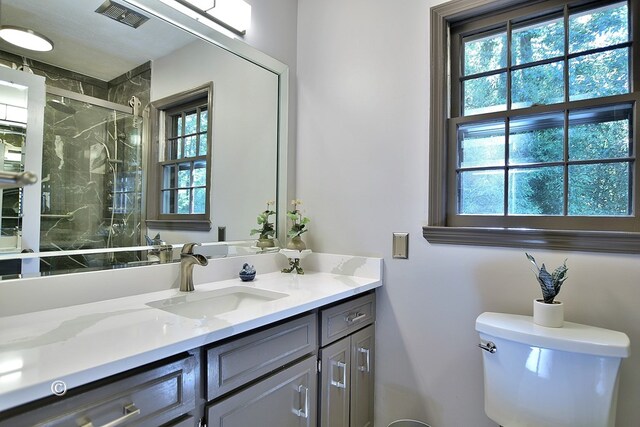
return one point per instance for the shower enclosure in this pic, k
(91, 180)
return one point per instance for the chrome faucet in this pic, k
(187, 260)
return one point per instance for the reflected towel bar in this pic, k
(17, 179)
(68, 216)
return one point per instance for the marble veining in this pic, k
(92, 167)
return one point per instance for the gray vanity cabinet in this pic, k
(347, 365)
(286, 399)
(158, 394)
(314, 369)
(242, 360)
(266, 378)
(335, 379)
(362, 375)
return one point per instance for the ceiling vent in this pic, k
(122, 14)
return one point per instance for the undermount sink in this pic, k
(203, 304)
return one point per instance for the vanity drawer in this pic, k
(343, 319)
(148, 398)
(245, 359)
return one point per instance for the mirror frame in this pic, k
(284, 190)
(160, 10)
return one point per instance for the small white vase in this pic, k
(549, 315)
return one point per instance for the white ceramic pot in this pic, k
(549, 315)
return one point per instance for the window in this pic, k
(182, 155)
(533, 126)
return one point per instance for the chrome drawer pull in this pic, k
(303, 413)
(339, 384)
(366, 367)
(351, 318)
(130, 411)
(490, 347)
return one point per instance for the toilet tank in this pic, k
(550, 377)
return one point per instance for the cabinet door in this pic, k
(286, 399)
(362, 358)
(334, 403)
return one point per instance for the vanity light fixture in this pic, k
(25, 38)
(232, 15)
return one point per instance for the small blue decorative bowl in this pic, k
(247, 277)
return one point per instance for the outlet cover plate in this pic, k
(400, 245)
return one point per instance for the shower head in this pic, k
(61, 106)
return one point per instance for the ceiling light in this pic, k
(203, 4)
(25, 38)
(231, 15)
(235, 13)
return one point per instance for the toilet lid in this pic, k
(572, 337)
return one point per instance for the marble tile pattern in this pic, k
(92, 166)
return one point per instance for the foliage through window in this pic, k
(544, 120)
(184, 169)
(541, 120)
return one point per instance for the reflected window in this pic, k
(183, 158)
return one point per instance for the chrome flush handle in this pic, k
(489, 346)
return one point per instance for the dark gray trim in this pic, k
(589, 241)
(201, 222)
(180, 224)
(437, 231)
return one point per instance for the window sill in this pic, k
(180, 224)
(571, 240)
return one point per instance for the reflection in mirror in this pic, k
(91, 178)
(93, 163)
(13, 132)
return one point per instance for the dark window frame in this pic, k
(437, 229)
(159, 113)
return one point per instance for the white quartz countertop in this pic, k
(83, 343)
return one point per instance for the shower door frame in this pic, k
(80, 97)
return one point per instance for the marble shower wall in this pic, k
(92, 166)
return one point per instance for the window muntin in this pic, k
(542, 172)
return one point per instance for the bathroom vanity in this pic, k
(283, 350)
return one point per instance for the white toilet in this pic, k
(536, 376)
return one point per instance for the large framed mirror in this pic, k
(93, 202)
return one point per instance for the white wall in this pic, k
(362, 162)
(273, 31)
(245, 119)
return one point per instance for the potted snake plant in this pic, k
(547, 311)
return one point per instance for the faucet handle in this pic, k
(187, 248)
